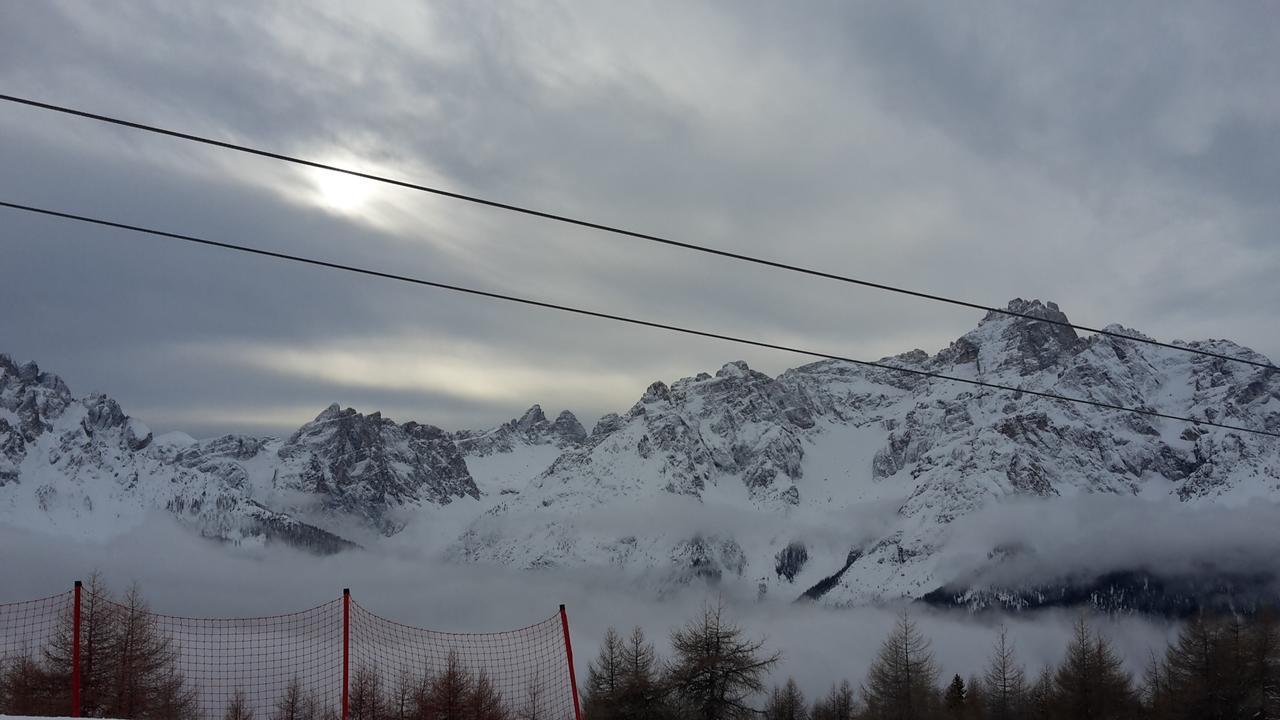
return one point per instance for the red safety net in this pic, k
(332, 661)
(520, 674)
(33, 634)
(286, 666)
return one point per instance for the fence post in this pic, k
(573, 676)
(346, 648)
(75, 653)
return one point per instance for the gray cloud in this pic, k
(1082, 538)
(1115, 159)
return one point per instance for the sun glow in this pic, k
(341, 192)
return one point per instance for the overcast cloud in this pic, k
(1119, 159)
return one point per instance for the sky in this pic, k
(1117, 159)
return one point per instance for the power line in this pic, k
(610, 316)
(614, 229)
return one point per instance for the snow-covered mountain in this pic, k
(832, 481)
(503, 459)
(842, 482)
(84, 468)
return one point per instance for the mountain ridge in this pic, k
(928, 451)
(833, 481)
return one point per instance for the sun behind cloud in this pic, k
(341, 192)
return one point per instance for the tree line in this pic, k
(1224, 668)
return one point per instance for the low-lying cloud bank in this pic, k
(184, 574)
(1078, 539)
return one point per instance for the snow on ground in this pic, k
(501, 473)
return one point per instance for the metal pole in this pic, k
(573, 676)
(346, 650)
(75, 654)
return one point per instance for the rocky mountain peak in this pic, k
(33, 396)
(1020, 344)
(367, 465)
(1035, 308)
(105, 414)
(347, 430)
(608, 423)
(567, 429)
(531, 428)
(532, 419)
(656, 392)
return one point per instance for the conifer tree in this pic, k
(532, 707)
(290, 705)
(975, 699)
(1154, 691)
(239, 708)
(26, 689)
(1091, 683)
(902, 681)
(399, 702)
(838, 704)
(716, 668)
(1041, 697)
(1263, 651)
(1236, 673)
(420, 696)
(485, 702)
(640, 693)
(955, 700)
(604, 680)
(787, 703)
(1191, 674)
(140, 664)
(1006, 681)
(1215, 669)
(172, 697)
(313, 709)
(448, 694)
(365, 695)
(99, 616)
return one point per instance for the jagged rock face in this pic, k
(532, 428)
(30, 397)
(366, 465)
(676, 441)
(679, 440)
(1026, 347)
(567, 430)
(85, 467)
(834, 437)
(739, 422)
